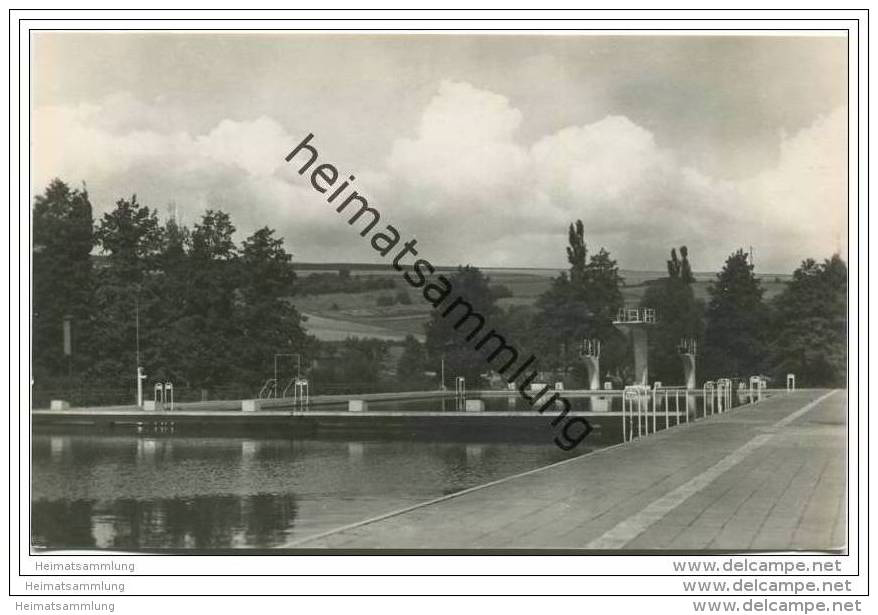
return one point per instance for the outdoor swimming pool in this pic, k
(123, 490)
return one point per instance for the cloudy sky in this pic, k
(482, 147)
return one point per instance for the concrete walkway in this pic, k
(765, 477)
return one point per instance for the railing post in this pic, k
(459, 392)
(640, 427)
(140, 378)
(677, 404)
(169, 389)
(653, 412)
(655, 407)
(667, 413)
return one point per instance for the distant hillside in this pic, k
(335, 316)
(375, 311)
(632, 276)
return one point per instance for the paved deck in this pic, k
(765, 477)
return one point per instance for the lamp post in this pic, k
(68, 344)
(140, 375)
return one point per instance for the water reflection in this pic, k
(57, 445)
(201, 522)
(129, 491)
(473, 453)
(355, 451)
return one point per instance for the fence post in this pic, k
(169, 390)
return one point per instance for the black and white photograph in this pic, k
(409, 303)
(438, 291)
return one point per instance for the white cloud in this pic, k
(465, 143)
(235, 166)
(250, 146)
(801, 202)
(465, 183)
(507, 203)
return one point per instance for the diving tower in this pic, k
(590, 353)
(636, 321)
(687, 350)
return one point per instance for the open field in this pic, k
(335, 316)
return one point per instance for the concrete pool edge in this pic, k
(450, 496)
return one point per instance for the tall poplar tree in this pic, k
(581, 303)
(678, 315)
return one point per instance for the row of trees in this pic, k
(738, 333)
(207, 313)
(202, 311)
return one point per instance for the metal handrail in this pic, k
(637, 398)
(665, 393)
(302, 393)
(724, 394)
(708, 393)
(269, 389)
(759, 383)
(287, 387)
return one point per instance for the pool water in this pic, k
(129, 491)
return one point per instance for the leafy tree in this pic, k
(169, 340)
(266, 268)
(176, 244)
(352, 366)
(811, 325)
(269, 323)
(210, 314)
(518, 322)
(62, 277)
(678, 315)
(734, 344)
(214, 331)
(601, 288)
(562, 321)
(212, 240)
(127, 297)
(131, 235)
(581, 303)
(444, 341)
(412, 364)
